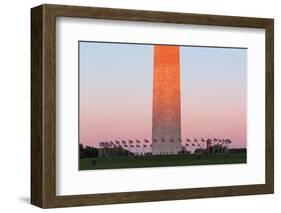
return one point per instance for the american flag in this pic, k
(111, 142)
(209, 141)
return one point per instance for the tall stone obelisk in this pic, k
(166, 118)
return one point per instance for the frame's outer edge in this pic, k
(43, 102)
(155, 16)
(269, 120)
(37, 189)
(49, 106)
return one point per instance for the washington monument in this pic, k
(166, 118)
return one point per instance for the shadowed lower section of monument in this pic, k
(166, 119)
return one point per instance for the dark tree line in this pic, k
(88, 151)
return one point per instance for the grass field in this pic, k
(160, 161)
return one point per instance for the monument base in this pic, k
(166, 148)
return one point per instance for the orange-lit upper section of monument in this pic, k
(166, 122)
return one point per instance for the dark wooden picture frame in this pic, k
(43, 105)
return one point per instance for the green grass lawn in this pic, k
(160, 161)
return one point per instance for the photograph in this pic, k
(158, 105)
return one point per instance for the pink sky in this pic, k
(116, 93)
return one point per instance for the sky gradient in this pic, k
(116, 92)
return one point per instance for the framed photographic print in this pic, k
(136, 106)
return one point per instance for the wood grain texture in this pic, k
(269, 101)
(36, 106)
(43, 105)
